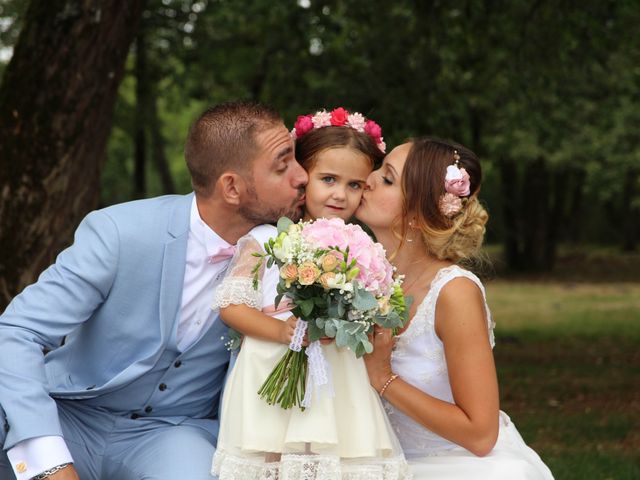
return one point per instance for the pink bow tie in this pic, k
(224, 253)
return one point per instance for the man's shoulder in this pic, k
(146, 205)
(149, 215)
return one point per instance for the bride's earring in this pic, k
(409, 240)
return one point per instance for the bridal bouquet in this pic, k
(340, 285)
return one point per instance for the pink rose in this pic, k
(303, 125)
(457, 181)
(372, 129)
(450, 204)
(339, 117)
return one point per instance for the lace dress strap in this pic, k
(237, 287)
(443, 277)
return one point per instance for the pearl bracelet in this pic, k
(51, 471)
(387, 383)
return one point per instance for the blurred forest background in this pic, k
(96, 97)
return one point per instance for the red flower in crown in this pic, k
(372, 129)
(339, 117)
(303, 124)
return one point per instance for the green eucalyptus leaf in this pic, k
(283, 224)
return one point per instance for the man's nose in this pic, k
(300, 176)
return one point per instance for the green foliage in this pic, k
(548, 89)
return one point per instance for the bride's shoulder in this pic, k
(454, 277)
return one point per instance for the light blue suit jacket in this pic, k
(115, 295)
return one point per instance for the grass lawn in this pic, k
(568, 358)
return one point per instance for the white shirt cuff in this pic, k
(32, 457)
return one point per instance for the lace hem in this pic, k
(237, 291)
(307, 467)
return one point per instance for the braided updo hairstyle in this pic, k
(455, 238)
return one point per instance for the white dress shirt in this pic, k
(35, 455)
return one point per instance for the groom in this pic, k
(133, 392)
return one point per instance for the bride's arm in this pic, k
(472, 421)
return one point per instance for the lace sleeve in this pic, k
(237, 287)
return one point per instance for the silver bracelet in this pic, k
(51, 471)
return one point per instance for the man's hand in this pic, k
(67, 473)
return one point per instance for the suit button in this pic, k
(6, 427)
(134, 416)
(162, 387)
(148, 409)
(177, 364)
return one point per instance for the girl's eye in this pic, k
(355, 185)
(386, 180)
(328, 179)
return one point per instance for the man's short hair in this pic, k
(223, 138)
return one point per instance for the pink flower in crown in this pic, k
(372, 129)
(457, 181)
(450, 204)
(321, 119)
(382, 146)
(356, 121)
(339, 116)
(303, 124)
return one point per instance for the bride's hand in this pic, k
(379, 361)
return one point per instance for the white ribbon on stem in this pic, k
(319, 377)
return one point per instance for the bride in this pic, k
(438, 377)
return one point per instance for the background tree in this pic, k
(56, 101)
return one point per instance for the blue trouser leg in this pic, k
(159, 453)
(6, 473)
(106, 446)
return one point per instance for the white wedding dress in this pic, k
(419, 360)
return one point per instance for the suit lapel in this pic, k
(173, 266)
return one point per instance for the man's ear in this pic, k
(231, 187)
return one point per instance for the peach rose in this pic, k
(329, 262)
(308, 273)
(325, 279)
(289, 273)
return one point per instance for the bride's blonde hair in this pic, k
(456, 238)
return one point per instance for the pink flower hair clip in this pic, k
(338, 117)
(457, 184)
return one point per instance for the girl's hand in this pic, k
(379, 361)
(287, 330)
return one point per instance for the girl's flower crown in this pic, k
(457, 185)
(338, 117)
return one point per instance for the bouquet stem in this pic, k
(285, 385)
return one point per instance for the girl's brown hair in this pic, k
(312, 143)
(456, 238)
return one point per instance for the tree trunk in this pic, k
(511, 213)
(142, 102)
(630, 213)
(159, 158)
(56, 104)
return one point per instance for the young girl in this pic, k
(438, 377)
(344, 433)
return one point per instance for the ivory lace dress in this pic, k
(419, 359)
(345, 436)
